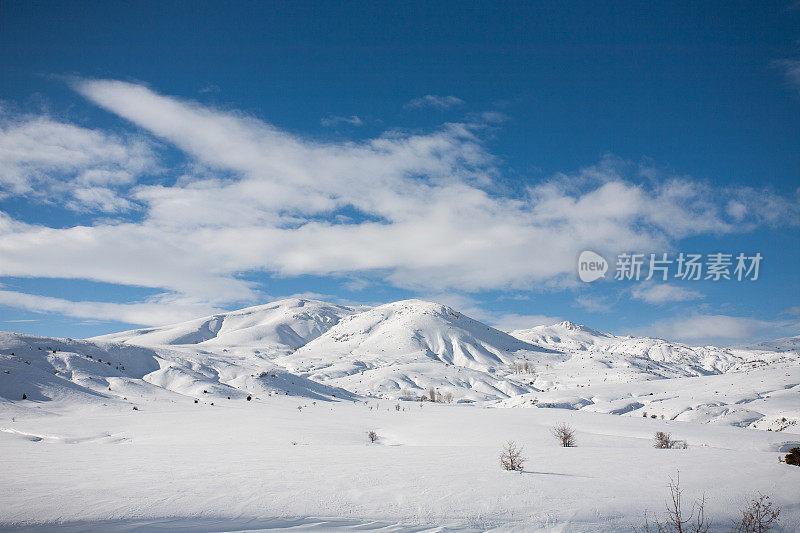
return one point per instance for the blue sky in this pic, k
(160, 162)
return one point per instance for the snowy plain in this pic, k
(152, 430)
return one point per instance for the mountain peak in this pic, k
(572, 326)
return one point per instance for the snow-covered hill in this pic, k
(404, 348)
(35, 369)
(657, 357)
(278, 326)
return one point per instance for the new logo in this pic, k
(591, 266)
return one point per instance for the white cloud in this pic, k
(435, 101)
(156, 311)
(333, 120)
(99, 199)
(423, 210)
(705, 329)
(661, 293)
(791, 68)
(47, 159)
(593, 304)
(514, 321)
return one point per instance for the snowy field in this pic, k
(266, 464)
(152, 430)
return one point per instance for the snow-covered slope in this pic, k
(46, 368)
(404, 348)
(765, 397)
(656, 357)
(278, 326)
(399, 350)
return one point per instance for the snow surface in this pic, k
(152, 429)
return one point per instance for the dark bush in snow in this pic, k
(372, 436)
(511, 457)
(793, 457)
(758, 517)
(24, 396)
(664, 440)
(565, 435)
(249, 397)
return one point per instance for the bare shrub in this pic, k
(664, 440)
(758, 517)
(511, 457)
(408, 395)
(446, 397)
(565, 435)
(372, 436)
(675, 520)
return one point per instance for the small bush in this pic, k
(25, 397)
(675, 521)
(664, 440)
(565, 435)
(249, 397)
(372, 436)
(511, 457)
(758, 517)
(793, 457)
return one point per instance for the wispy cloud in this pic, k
(592, 303)
(156, 311)
(656, 293)
(332, 120)
(705, 329)
(423, 210)
(435, 101)
(48, 159)
(791, 67)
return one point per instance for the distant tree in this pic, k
(249, 397)
(372, 436)
(407, 394)
(432, 394)
(564, 434)
(758, 517)
(511, 457)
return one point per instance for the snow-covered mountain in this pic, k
(39, 369)
(655, 356)
(168, 407)
(277, 326)
(399, 350)
(406, 347)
